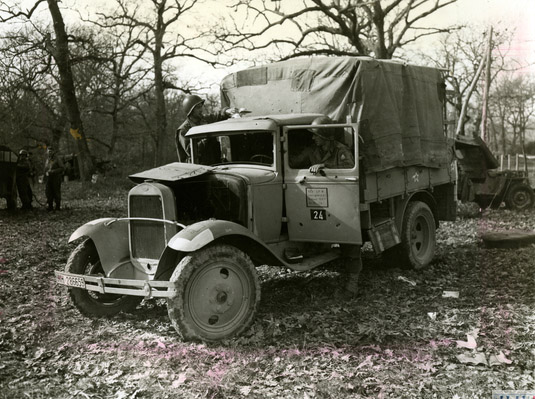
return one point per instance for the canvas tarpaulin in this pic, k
(398, 107)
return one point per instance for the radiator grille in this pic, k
(147, 238)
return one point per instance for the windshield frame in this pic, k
(195, 140)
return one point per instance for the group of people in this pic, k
(53, 177)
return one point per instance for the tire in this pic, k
(85, 260)
(519, 197)
(218, 293)
(418, 239)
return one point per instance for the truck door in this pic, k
(322, 207)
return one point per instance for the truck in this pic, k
(196, 233)
(483, 182)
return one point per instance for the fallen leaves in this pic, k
(303, 343)
(470, 343)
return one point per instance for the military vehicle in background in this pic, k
(482, 182)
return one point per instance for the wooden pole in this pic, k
(460, 124)
(486, 88)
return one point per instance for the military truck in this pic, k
(481, 181)
(196, 233)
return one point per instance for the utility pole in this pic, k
(460, 123)
(486, 88)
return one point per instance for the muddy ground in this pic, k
(405, 336)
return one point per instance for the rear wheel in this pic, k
(217, 294)
(519, 197)
(418, 239)
(85, 260)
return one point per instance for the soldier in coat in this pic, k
(54, 176)
(193, 105)
(25, 172)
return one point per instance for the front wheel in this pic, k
(85, 260)
(217, 294)
(519, 197)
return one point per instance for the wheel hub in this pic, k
(520, 198)
(218, 297)
(221, 298)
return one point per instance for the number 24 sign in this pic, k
(318, 214)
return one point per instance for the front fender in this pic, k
(200, 234)
(111, 240)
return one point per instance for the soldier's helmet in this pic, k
(23, 153)
(190, 102)
(324, 133)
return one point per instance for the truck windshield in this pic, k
(248, 147)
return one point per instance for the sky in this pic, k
(513, 14)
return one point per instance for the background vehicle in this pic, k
(195, 233)
(480, 180)
(8, 176)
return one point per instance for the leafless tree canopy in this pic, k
(108, 84)
(332, 27)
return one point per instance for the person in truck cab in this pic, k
(193, 106)
(327, 151)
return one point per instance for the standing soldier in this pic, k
(54, 176)
(24, 174)
(193, 105)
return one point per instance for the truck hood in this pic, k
(177, 171)
(171, 172)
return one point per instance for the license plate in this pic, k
(72, 281)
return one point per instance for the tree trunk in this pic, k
(66, 82)
(161, 113)
(380, 49)
(161, 117)
(503, 138)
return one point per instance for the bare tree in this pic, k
(461, 54)
(115, 76)
(58, 48)
(60, 52)
(34, 113)
(332, 27)
(156, 24)
(518, 93)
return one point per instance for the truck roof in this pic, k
(259, 123)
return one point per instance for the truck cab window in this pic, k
(242, 147)
(333, 147)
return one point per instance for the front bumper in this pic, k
(104, 285)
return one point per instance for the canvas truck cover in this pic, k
(399, 108)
